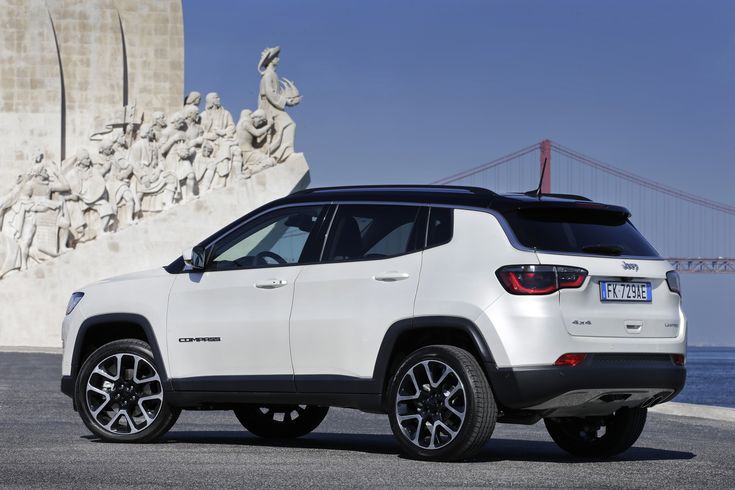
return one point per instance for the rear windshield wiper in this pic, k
(603, 249)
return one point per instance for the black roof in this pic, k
(430, 194)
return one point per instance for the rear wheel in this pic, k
(441, 405)
(598, 436)
(120, 395)
(280, 421)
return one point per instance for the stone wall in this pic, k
(30, 86)
(67, 65)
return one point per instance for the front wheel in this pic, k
(598, 436)
(441, 407)
(120, 395)
(280, 421)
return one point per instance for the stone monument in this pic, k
(143, 168)
(105, 167)
(70, 68)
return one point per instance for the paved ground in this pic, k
(43, 443)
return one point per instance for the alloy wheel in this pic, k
(124, 394)
(431, 404)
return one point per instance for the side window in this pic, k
(372, 231)
(441, 227)
(281, 237)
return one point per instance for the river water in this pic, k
(710, 376)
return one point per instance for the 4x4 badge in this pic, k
(630, 266)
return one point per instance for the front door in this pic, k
(228, 326)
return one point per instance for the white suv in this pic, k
(448, 308)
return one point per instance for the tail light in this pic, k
(539, 279)
(570, 360)
(678, 359)
(672, 279)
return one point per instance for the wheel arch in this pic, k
(100, 329)
(405, 336)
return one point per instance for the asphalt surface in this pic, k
(43, 443)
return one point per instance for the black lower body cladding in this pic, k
(525, 387)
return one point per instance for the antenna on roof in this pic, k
(537, 191)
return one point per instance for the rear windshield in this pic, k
(588, 231)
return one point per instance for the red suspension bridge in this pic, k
(696, 234)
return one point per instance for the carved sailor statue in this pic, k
(274, 96)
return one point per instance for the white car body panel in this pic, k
(252, 323)
(658, 318)
(342, 304)
(141, 293)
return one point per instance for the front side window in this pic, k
(372, 231)
(279, 238)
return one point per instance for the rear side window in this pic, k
(440, 227)
(587, 231)
(372, 232)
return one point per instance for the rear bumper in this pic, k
(601, 384)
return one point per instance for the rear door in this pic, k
(366, 282)
(626, 293)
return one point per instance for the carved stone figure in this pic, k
(158, 124)
(217, 122)
(252, 131)
(121, 145)
(56, 177)
(193, 100)
(56, 228)
(194, 131)
(273, 98)
(37, 219)
(117, 172)
(179, 155)
(88, 193)
(151, 182)
(219, 128)
(204, 166)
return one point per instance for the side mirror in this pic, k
(194, 257)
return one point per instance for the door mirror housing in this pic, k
(195, 257)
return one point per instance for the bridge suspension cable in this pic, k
(697, 233)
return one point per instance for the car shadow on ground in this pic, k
(495, 450)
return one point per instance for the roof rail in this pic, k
(398, 188)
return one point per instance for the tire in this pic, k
(280, 421)
(580, 435)
(441, 407)
(109, 402)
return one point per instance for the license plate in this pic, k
(625, 291)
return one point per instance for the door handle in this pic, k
(270, 284)
(391, 276)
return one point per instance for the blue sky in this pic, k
(412, 91)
